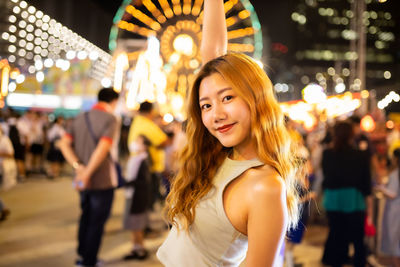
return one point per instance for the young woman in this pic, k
(234, 195)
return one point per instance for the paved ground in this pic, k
(41, 230)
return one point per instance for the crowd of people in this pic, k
(352, 172)
(34, 137)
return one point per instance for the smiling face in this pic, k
(225, 115)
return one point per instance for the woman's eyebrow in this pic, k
(219, 92)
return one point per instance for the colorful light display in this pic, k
(177, 25)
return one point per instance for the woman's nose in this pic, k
(219, 113)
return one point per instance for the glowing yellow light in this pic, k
(183, 44)
(131, 100)
(194, 64)
(174, 58)
(244, 14)
(187, 6)
(200, 18)
(313, 94)
(390, 124)
(310, 123)
(323, 117)
(229, 4)
(177, 102)
(166, 8)
(240, 47)
(364, 94)
(161, 19)
(240, 33)
(230, 21)
(191, 78)
(177, 7)
(143, 17)
(182, 83)
(367, 123)
(14, 74)
(4, 80)
(148, 80)
(133, 55)
(121, 65)
(134, 28)
(348, 96)
(3, 63)
(154, 11)
(161, 98)
(197, 7)
(168, 118)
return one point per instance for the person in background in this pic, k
(137, 193)
(19, 147)
(86, 146)
(391, 219)
(8, 167)
(295, 235)
(24, 124)
(347, 197)
(54, 155)
(361, 139)
(36, 140)
(143, 124)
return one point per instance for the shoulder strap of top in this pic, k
(230, 169)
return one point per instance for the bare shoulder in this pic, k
(265, 181)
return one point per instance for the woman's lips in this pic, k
(225, 128)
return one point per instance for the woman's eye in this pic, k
(227, 98)
(205, 106)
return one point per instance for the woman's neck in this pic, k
(246, 153)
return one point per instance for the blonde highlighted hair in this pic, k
(203, 153)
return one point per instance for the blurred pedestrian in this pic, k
(137, 194)
(24, 125)
(347, 197)
(86, 146)
(391, 218)
(36, 140)
(19, 147)
(295, 235)
(8, 167)
(143, 124)
(54, 155)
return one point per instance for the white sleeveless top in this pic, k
(212, 240)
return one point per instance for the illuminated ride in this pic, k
(177, 26)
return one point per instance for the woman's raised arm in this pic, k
(214, 41)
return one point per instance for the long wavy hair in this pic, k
(203, 153)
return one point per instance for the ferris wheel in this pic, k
(177, 26)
